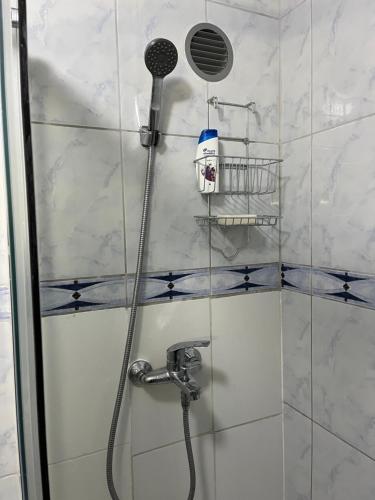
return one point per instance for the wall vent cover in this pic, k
(209, 52)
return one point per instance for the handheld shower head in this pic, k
(160, 58)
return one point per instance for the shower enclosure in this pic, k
(274, 274)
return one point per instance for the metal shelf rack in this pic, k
(237, 220)
(242, 175)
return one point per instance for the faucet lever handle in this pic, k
(184, 354)
(187, 344)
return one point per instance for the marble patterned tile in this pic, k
(296, 334)
(246, 332)
(288, 5)
(84, 477)
(295, 67)
(248, 461)
(73, 62)
(344, 372)
(10, 488)
(269, 7)
(343, 65)
(79, 201)
(8, 422)
(339, 471)
(167, 478)
(184, 99)
(254, 39)
(343, 234)
(297, 455)
(82, 356)
(295, 203)
(175, 240)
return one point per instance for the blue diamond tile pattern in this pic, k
(340, 285)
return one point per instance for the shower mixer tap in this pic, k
(182, 360)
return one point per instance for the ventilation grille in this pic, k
(209, 52)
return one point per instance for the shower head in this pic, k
(160, 57)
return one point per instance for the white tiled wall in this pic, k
(80, 105)
(327, 99)
(90, 93)
(83, 357)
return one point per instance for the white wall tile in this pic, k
(156, 411)
(167, 476)
(343, 185)
(297, 455)
(241, 245)
(79, 201)
(295, 53)
(254, 76)
(287, 5)
(8, 422)
(73, 62)
(84, 478)
(249, 461)
(175, 240)
(246, 358)
(269, 7)
(343, 371)
(343, 64)
(296, 202)
(296, 331)
(10, 488)
(82, 361)
(184, 99)
(339, 471)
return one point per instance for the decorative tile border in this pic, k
(68, 296)
(343, 286)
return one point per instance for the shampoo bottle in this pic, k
(207, 168)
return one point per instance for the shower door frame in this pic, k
(23, 251)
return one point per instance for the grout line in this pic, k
(122, 156)
(282, 16)
(89, 454)
(311, 249)
(243, 9)
(69, 125)
(260, 419)
(208, 433)
(122, 130)
(172, 443)
(10, 474)
(329, 129)
(330, 432)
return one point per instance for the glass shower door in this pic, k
(24, 454)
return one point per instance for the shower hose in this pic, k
(185, 402)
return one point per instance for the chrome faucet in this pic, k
(182, 360)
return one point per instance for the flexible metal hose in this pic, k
(185, 403)
(131, 327)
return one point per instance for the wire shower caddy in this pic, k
(237, 175)
(241, 175)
